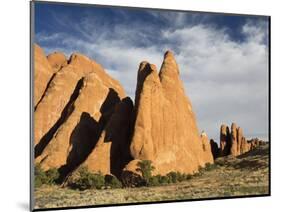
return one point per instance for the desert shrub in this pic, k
(172, 176)
(112, 181)
(45, 177)
(155, 180)
(199, 172)
(209, 167)
(88, 180)
(131, 179)
(164, 180)
(40, 176)
(52, 176)
(179, 177)
(146, 168)
(200, 169)
(187, 176)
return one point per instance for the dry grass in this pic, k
(245, 175)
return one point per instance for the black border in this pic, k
(31, 159)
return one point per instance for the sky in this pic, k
(223, 59)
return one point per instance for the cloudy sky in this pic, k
(223, 59)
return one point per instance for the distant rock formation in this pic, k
(234, 140)
(225, 142)
(215, 149)
(165, 129)
(234, 143)
(254, 143)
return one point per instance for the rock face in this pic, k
(57, 60)
(84, 118)
(215, 149)
(165, 129)
(234, 140)
(206, 145)
(245, 147)
(43, 73)
(225, 142)
(240, 138)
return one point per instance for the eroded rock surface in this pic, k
(43, 73)
(165, 129)
(83, 119)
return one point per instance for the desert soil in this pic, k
(247, 174)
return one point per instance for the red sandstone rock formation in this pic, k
(235, 143)
(225, 142)
(215, 149)
(165, 129)
(43, 72)
(83, 118)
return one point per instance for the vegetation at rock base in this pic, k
(45, 177)
(146, 168)
(88, 180)
(112, 182)
(246, 174)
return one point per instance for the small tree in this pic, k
(146, 168)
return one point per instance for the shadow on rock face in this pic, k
(86, 134)
(118, 132)
(68, 109)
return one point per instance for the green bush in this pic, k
(40, 176)
(164, 180)
(112, 181)
(155, 180)
(146, 168)
(187, 176)
(45, 177)
(172, 176)
(88, 180)
(52, 176)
